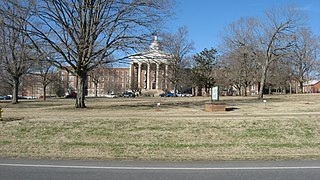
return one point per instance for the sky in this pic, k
(207, 19)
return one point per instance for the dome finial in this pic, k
(155, 44)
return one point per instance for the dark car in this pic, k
(169, 94)
(22, 97)
(128, 94)
(71, 95)
(5, 97)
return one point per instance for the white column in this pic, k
(130, 75)
(148, 76)
(157, 76)
(139, 75)
(165, 76)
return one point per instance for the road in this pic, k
(139, 170)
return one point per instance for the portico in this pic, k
(149, 69)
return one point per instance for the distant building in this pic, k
(148, 72)
(149, 69)
(67, 81)
(100, 82)
(312, 86)
(108, 80)
(31, 86)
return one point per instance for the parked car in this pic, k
(180, 95)
(5, 97)
(169, 94)
(71, 95)
(184, 95)
(128, 94)
(111, 95)
(188, 95)
(29, 97)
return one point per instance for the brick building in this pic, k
(104, 81)
(312, 86)
(109, 80)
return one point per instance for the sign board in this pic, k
(215, 93)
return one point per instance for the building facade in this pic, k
(149, 70)
(103, 81)
(312, 86)
(99, 83)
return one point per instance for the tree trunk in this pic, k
(206, 89)
(15, 90)
(262, 82)
(175, 89)
(245, 90)
(96, 89)
(301, 87)
(44, 92)
(290, 90)
(80, 103)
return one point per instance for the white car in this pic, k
(184, 95)
(111, 95)
(180, 94)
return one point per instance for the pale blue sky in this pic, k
(206, 19)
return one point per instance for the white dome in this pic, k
(155, 44)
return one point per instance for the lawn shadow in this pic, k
(152, 105)
(232, 109)
(10, 119)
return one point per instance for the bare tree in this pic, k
(279, 77)
(16, 48)
(269, 40)
(241, 53)
(178, 46)
(241, 35)
(305, 53)
(84, 33)
(46, 71)
(317, 71)
(241, 69)
(96, 75)
(276, 38)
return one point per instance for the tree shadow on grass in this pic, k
(154, 105)
(10, 119)
(232, 109)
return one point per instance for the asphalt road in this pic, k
(138, 170)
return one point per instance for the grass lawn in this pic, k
(286, 127)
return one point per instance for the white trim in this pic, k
(161, 168)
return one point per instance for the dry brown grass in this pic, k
(287, 127)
